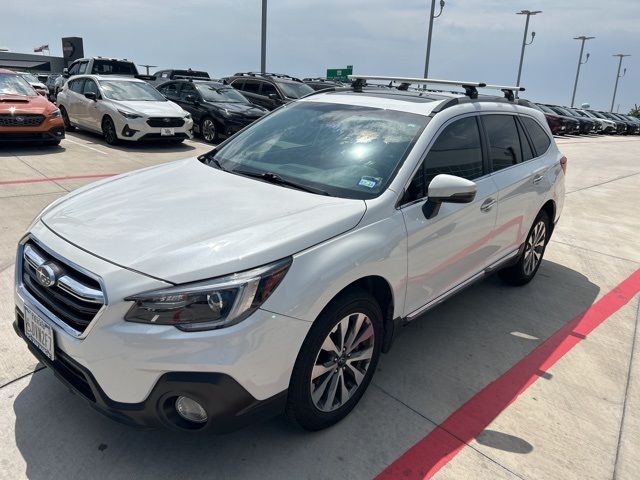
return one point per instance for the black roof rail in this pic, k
(470, 88)
(507, 90)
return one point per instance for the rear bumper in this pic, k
(229, 406)
(14, 135)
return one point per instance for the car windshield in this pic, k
(127, 91)
(217, 93)
(12, 84)
(344, 150)
(546, 109)
(294, 89)
(29, 77)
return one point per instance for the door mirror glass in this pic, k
(448, 189)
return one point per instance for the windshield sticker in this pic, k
(369, 182)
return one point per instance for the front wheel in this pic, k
(531, 257)
(208, 130)
(336, 361)
(109, 131)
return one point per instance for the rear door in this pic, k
(519, 176)
(454, 246)
(75, 88)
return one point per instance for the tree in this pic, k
(635, 111)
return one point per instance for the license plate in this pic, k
(39, 332)
(167, 132)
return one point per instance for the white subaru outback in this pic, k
(269, 274)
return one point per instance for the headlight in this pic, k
(129, 115)
(55, 113)
(187, 115)
(211, 304)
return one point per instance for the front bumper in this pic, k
(229, 406)
(28, 135)
(139, 130)
(130, 371)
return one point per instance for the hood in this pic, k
(184, 221)
(151, 109)
(22, 104)
(240, 108)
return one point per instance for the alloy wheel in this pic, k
(209, 130)
(109, 131)
(534, 247)
(342, 362)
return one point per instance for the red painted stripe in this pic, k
(53, 179)
(430, 454)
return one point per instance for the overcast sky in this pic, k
(473, 39)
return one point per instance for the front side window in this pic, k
(268, 89)
(83, 68)
(170, 90)
(187, 89)
(74, 68)
(113, 67)
(456, 151)
(251, 86)
(130, 91)
(503, 140)
(76, 85)
(538, 136)
(344, 150)
(91, 87)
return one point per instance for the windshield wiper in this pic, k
(278, 180)
(209, 158)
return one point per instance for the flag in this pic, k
(41, 48)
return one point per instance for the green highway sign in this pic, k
(339, 73)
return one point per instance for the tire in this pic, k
(531, 257)
(109, 131)
(52, 143)
(208, 130)
(340, 380)
(65, 118)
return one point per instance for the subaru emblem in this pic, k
(46, 275)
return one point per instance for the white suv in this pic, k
(269, 274)
(122, 108)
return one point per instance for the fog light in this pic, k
(190, 410)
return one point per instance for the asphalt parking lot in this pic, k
(538, 382)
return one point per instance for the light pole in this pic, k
(580, 63)
(618, 77)
(263, 52)
(147, 67)
(432, 16)
(528, 13)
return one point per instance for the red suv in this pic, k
(25, 115)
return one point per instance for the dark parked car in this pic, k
(623, 125)
(163, 76)
(631, 126)
(598, 127)
(567, 124)
(634, 120)
(269, 90)
(51, 85)
(321, 83)
(218, 110)
(586, 125)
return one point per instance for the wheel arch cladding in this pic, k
(550, 208)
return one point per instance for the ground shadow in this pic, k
(28, 148)
(449, 355)
(127, 146)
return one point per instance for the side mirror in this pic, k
(273, 96)
(190, 98)
(91, 96)
(65, 72)
(448, 189)
(39, 91)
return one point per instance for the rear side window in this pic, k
(114, 67)
(537, 135)
(527, 152)
(268, 89)
(456, 151)
(76, 85)
(503, 141)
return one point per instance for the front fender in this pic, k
(319, 273)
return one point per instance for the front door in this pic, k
(455, 245)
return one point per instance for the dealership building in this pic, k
(72, 49)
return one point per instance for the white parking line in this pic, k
(86, 146)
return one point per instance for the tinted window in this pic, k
(345, 150)
(239, 84)
(251, 86)
(268, 89)
(76, 85)
(537, 134)
(111, 67)
(73, 70)
(504, 143)
(83, 67)
(170, 90)
(456, 151)
(91, 87)
(294, 89)
(214, 92)
(187, 89)
(124, 90)
(527, 153)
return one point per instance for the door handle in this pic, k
(538, 178)
(488, 204)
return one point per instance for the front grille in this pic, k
(165, 122)
(26, 120)
(72, 296)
